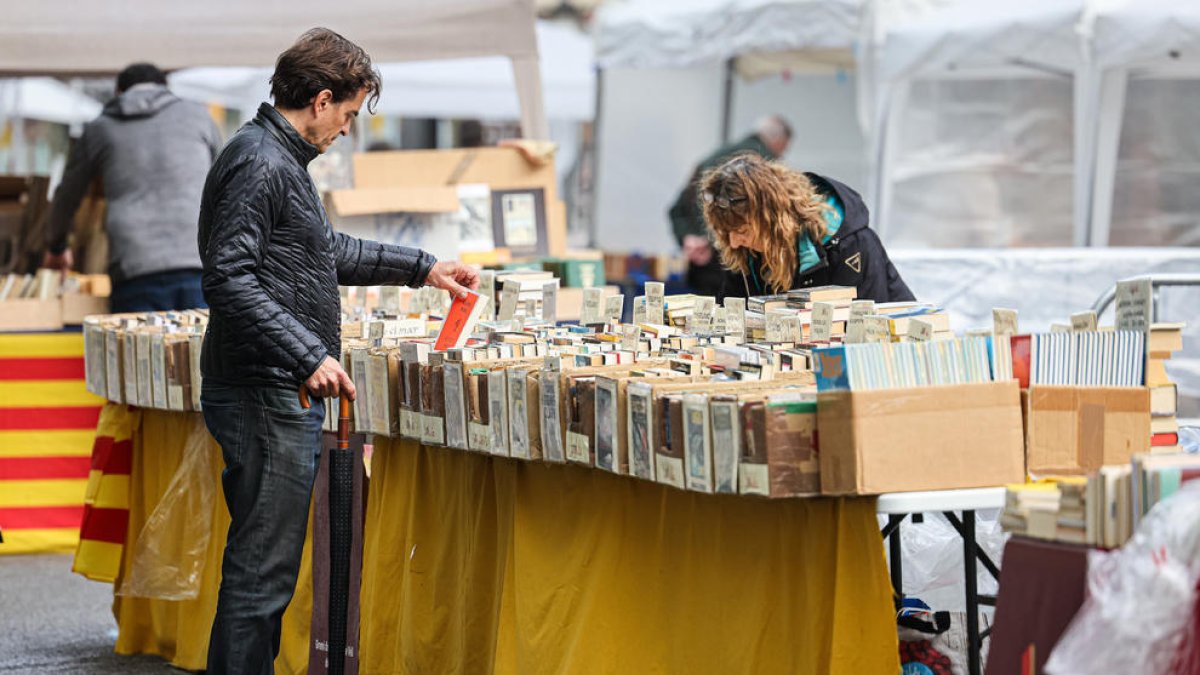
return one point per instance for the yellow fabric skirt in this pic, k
(480, 564)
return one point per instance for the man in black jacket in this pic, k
(272, 266)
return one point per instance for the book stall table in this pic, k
(475, 563)
(899, 506)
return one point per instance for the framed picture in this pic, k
(519, 221)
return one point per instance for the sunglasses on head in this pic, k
(730, 203)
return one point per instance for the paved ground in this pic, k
(53, 621)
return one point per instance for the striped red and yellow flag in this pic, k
(106, 503)
(47, 424)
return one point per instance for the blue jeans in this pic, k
(158, 292)
(271, 447)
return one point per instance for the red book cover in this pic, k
(1021, 354)
(1161, 440)
(460, 321)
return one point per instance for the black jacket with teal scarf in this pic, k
(854, 256)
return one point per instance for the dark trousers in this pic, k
(158, 292)
(271, 446)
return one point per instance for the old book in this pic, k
(114, 370)
(158, 372)
(670, 452)
(551, 418)
(697, 443)
(497, 402)
(524, 407)
(360, 376)
(129, 366)
(726, 443)
(479, 432)
(640, 431)
(581, 424)
(433, 403)
(455, 405)
(610, 425)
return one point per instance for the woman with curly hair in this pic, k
(778, 229)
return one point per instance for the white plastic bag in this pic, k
(1141, 598)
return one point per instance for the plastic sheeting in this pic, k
(982, 163)
(1047, 285)
(1141, 600)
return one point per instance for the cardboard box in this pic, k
(1071, 430)
(31, 314)
(76, 306)
(928, 438)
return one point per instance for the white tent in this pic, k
(65, 36)
(980, 126)
(682, 33)
(45, 99)
(1147, 62)
(480, 87)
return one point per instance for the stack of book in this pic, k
(1095, 510)
(888, 365)
(1165, 339)
(1158, 476)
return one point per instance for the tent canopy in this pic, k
(470, 87)
(65, 36)
(45, 99)
(1147, 33)
(683, 33)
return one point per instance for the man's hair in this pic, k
(139, 73)
(322, 59)
(774, 127)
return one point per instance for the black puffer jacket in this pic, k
(852, 257)
(272, 262)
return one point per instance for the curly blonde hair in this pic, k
(778, 203)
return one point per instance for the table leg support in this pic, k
(895, 555)
(971, 570)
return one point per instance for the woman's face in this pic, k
(745, 236)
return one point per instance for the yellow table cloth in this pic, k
(481, 564)
(178, 630)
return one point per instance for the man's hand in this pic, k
(62, 262)
(453, 276)
(697, 249)
(330, 380)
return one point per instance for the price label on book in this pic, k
(875, 329)
(1083, 322)
(655, 302)
(550, 302)
(1134, 305)
(508, 300)
(920, 331)
(614, 308)
(487, 285)
(735, 318)
(702, 315)
(775, 327)
(639, 309)
(592, 298)
(793, 329)
(1004, 321)
(855, 327)
(822, 321)
(630, 334)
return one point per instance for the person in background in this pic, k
(151, 150)
(777, 229)
(272, 266)
(770, 140)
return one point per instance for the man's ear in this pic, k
(322, 100)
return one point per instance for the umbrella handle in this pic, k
(304, 402)
(343, 426)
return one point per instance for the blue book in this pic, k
(831, 369)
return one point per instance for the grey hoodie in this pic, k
(152, 151)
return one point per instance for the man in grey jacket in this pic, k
(152, 152)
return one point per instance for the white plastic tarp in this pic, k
(65, 36)
(977, 138)
(481, 87)
(1046, 286)
(1147, 57)
(685, 33)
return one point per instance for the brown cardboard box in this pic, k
(1071, 430)
(31, 314)
(76, 306)
(928, 438)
